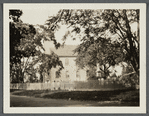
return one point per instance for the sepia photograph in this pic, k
(89, 56)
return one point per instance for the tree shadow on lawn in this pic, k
(117, 95)
(123, 96)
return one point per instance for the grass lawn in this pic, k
(123, 96)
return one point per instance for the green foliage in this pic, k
(129, 77)
(26, 49)
(91, 73)
(106, 36)
(47, 62)
(19, 33)
(15, 15)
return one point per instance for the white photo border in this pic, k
(6, 80)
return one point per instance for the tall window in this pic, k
(67, 74)
(87, 73)
(78, 74)
(66, 61)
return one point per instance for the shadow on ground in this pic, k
(96, 98)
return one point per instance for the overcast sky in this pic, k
(39, 16)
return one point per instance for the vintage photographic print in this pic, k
(74, 58)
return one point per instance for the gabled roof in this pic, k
(65, 51)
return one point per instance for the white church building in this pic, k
(71, 71)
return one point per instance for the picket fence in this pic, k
(76, 85)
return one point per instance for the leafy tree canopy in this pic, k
(26, 48)
(106, 35)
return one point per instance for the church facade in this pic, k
(71, 71)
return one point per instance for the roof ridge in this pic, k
(66, 50)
